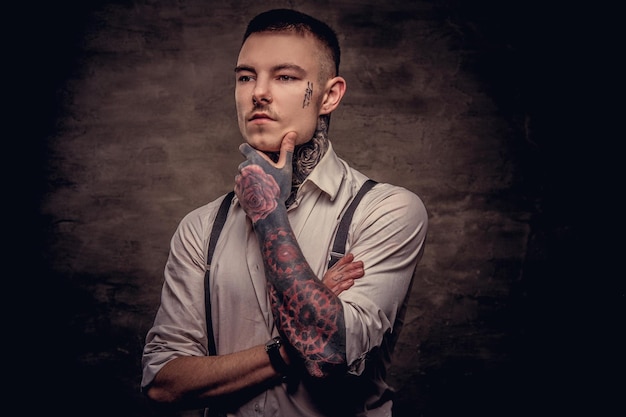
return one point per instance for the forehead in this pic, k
(269, 49)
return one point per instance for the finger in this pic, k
(331, 280)
(342, 262)
(246, 150)
(286, 150)
(344, 285)
(243, 165)
(350, 266)
(328, 280)
(354, 269)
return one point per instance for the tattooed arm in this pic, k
(173, 374)
(308, 314)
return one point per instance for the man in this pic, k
(328, 340)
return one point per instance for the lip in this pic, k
(260, 118)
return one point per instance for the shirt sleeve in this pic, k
(388, 233)
(179, 328)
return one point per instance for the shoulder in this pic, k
(388, 203)
(390, 212)
(384, 196)
(199, 221)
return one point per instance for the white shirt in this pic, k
(387, 233)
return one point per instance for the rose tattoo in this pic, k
(257, 192)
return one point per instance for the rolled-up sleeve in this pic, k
(388, 234)
(179, 325)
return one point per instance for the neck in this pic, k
(307, 156)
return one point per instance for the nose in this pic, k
(261, 94)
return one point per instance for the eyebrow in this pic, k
(276, 68)
(240, 68)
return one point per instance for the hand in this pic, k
(342, 275)
(262, 184)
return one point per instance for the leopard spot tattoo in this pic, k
(308, 315)
(309, 321)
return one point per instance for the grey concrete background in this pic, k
(130, 104)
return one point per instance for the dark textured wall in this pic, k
(137, 127)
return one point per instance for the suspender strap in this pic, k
(339, 247)
(215, 234)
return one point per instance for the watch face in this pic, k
(273, 343)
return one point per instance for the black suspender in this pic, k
(337, 252)
(339, 247)
(215, 234)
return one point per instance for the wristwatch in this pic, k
(272, 347)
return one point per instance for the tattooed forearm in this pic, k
(308, 314)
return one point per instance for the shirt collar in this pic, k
(328, 174)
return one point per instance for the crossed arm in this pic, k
(188, 380)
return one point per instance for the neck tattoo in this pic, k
(308, 155)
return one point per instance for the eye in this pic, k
(244, 78)
(286, 78)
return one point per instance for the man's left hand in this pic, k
(262, 184)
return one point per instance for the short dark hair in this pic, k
(280, 20)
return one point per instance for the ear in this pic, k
(334, 91)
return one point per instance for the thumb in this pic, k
(286, 149)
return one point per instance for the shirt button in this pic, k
(257, 408)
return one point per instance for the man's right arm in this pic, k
(194, 378)
(176, 365)
(177, 369)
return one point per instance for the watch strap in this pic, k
(272, 347)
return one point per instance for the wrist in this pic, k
(277, 211)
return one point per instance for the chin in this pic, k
(263, 145)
